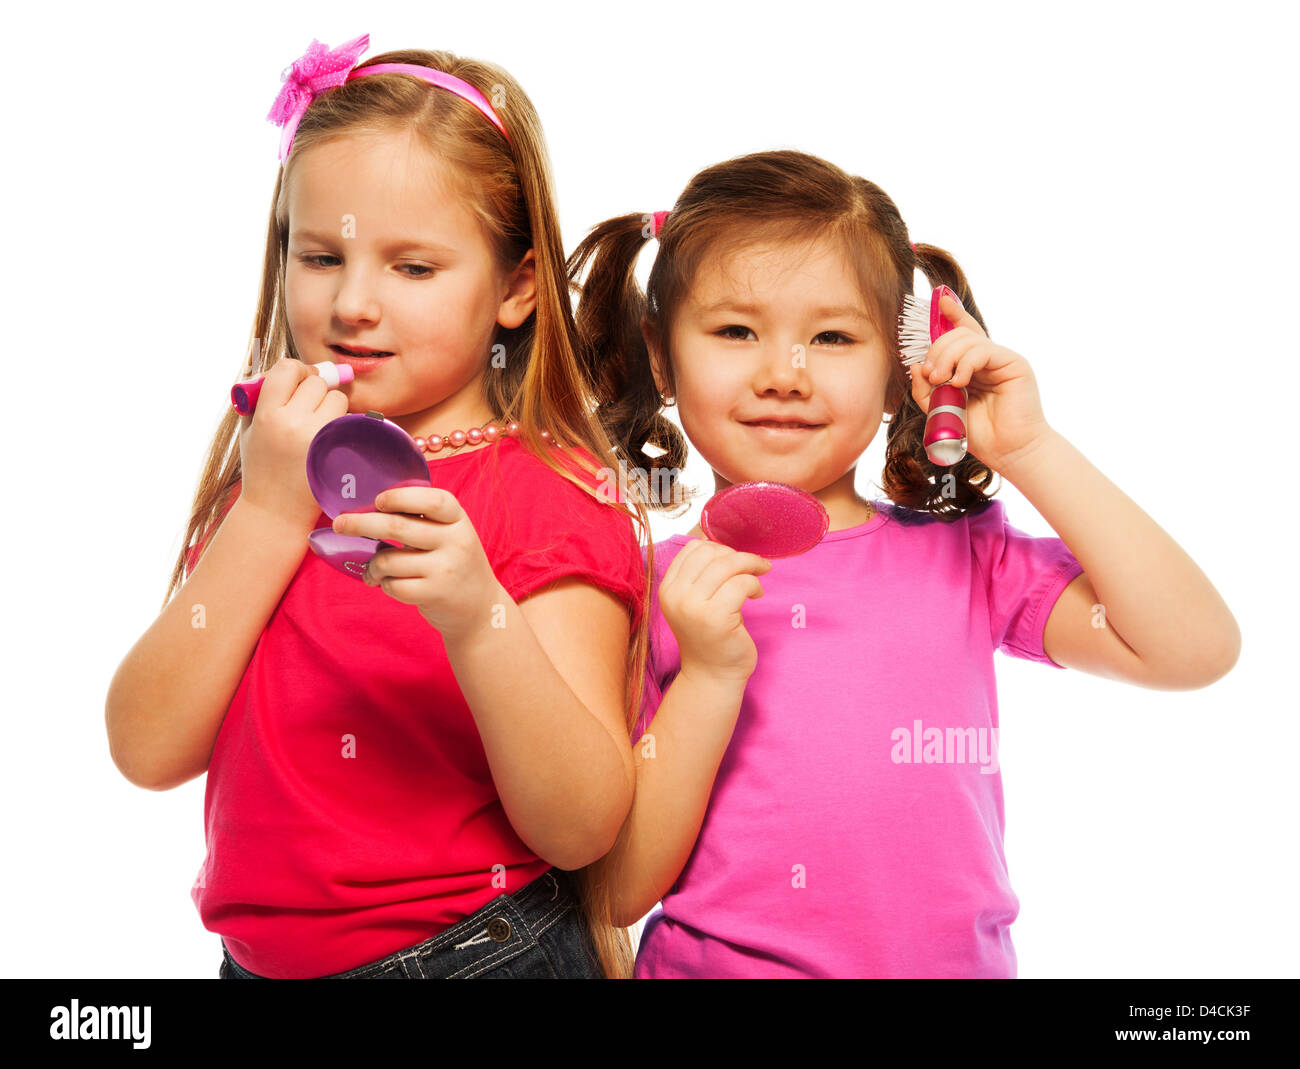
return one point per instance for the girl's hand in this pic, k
(293, 405)
(441, 568)
(1004, 416)
(701, 596)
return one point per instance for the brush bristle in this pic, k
(913, 329)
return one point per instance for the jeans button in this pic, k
(499, 929)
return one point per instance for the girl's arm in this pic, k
(169, 696)
(677, 760)
(1142, 611)
(545, 684)
(676, 764)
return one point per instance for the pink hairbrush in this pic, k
(770, 519)
(243, 395)
(920, 324)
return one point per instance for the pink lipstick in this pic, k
(243, 395)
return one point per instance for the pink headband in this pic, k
(319, 69)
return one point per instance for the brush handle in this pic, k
(945, 424)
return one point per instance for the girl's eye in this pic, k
(315, 261)
(729, 332)
(835, 334)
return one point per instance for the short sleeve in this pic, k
(193, 554)
(1023, 577)
(556, 530)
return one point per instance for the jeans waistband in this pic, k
(505, 927)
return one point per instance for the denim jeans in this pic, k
(536, 933)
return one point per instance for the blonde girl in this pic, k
(410, 776)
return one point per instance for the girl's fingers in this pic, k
(726, 567)
(333, 399)
(737, 590)
(391, 563)
(676, 565)
(284, 380)
(692, 560)
(944, 353)
(406, 512)
(709, 564)
(411, 531)
(958, 316)
(440, 506)
(954, 349)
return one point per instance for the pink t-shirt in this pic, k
(350, 811)
(855, 826)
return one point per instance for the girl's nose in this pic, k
(785, 369)
(355, 301)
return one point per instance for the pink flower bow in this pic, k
(312, 73)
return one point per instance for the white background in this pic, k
(1117, 180)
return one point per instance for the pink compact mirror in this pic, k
(770, 519)
(350, 462)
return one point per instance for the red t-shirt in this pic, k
(349, 810)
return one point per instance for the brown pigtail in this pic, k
(615, 357)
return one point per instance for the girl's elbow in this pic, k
(630, 901)
(574, 855)
(580, 849)
(580, 844)
(1234, 648)
(1198, 672)
(621, 916)
(1222, 659)
(1199, 664)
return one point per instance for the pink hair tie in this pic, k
(659, 218)
(320, 69)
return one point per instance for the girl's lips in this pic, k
(358, 364)
(779, 427)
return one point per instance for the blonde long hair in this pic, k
(548, 377)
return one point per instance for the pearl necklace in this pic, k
(490, 432)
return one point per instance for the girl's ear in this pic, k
(658, 366)
(893, 398)
(521, 296)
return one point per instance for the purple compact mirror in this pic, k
(770, 519)
(350, 462)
